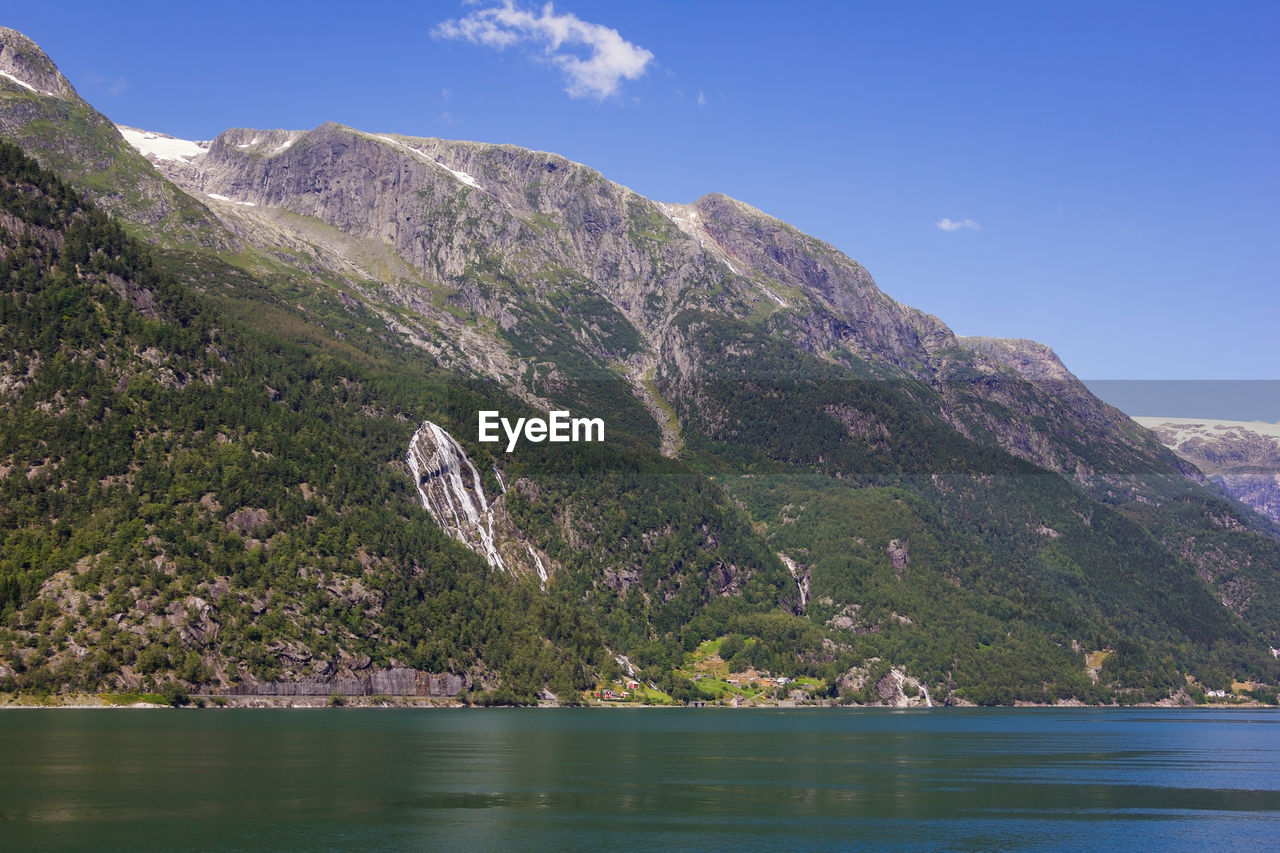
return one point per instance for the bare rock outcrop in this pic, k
(24, 64)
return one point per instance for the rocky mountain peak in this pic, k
(856, 312)
(24, 64)
(1034, 361)
(41, 112)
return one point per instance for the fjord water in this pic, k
(643, 778)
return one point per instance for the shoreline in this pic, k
(218, 702)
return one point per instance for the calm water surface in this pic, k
(682, 778)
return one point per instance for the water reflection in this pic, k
(704, 778)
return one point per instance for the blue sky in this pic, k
(1107, 172)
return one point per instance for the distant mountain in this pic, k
(797, 467)
(1243, 457)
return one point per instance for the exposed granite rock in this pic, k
(899, 555)
(389, 682)
(845, 306)
(1049, 417)
(52, 123)
(23, 59)
(248, 520)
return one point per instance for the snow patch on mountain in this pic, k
(1241, 457)
(220, 197)
(23, 83)
(1179, 430)
(160, 146)
(461, 176)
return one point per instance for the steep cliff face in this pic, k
(23, 62)
(498, 224)
(452, 492)
(454, 208)
(841, 306)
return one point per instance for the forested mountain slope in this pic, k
(206, 437)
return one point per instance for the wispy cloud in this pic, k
(110, 85)
(563, 37)
(957, 224)
(702, 100)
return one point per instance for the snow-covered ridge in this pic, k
(461, 176)
(160, 146)
(1183, 429)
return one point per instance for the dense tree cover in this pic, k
(164, 448)
(1010, 573)
(156, 451)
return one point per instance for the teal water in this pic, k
(599, 778)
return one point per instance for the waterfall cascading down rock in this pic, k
(452, 492)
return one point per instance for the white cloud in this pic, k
(702, 100)
(610, 58)
(956, 224)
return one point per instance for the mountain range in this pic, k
(240, 384)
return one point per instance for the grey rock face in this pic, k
(503, 232)
(846, 306)
(388, 682)
(1034, 361)
(1044, 403)
(455, 209)
(21, 58)
(899, 555)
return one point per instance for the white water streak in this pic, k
(462, 512)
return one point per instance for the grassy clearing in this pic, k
(122, 699)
